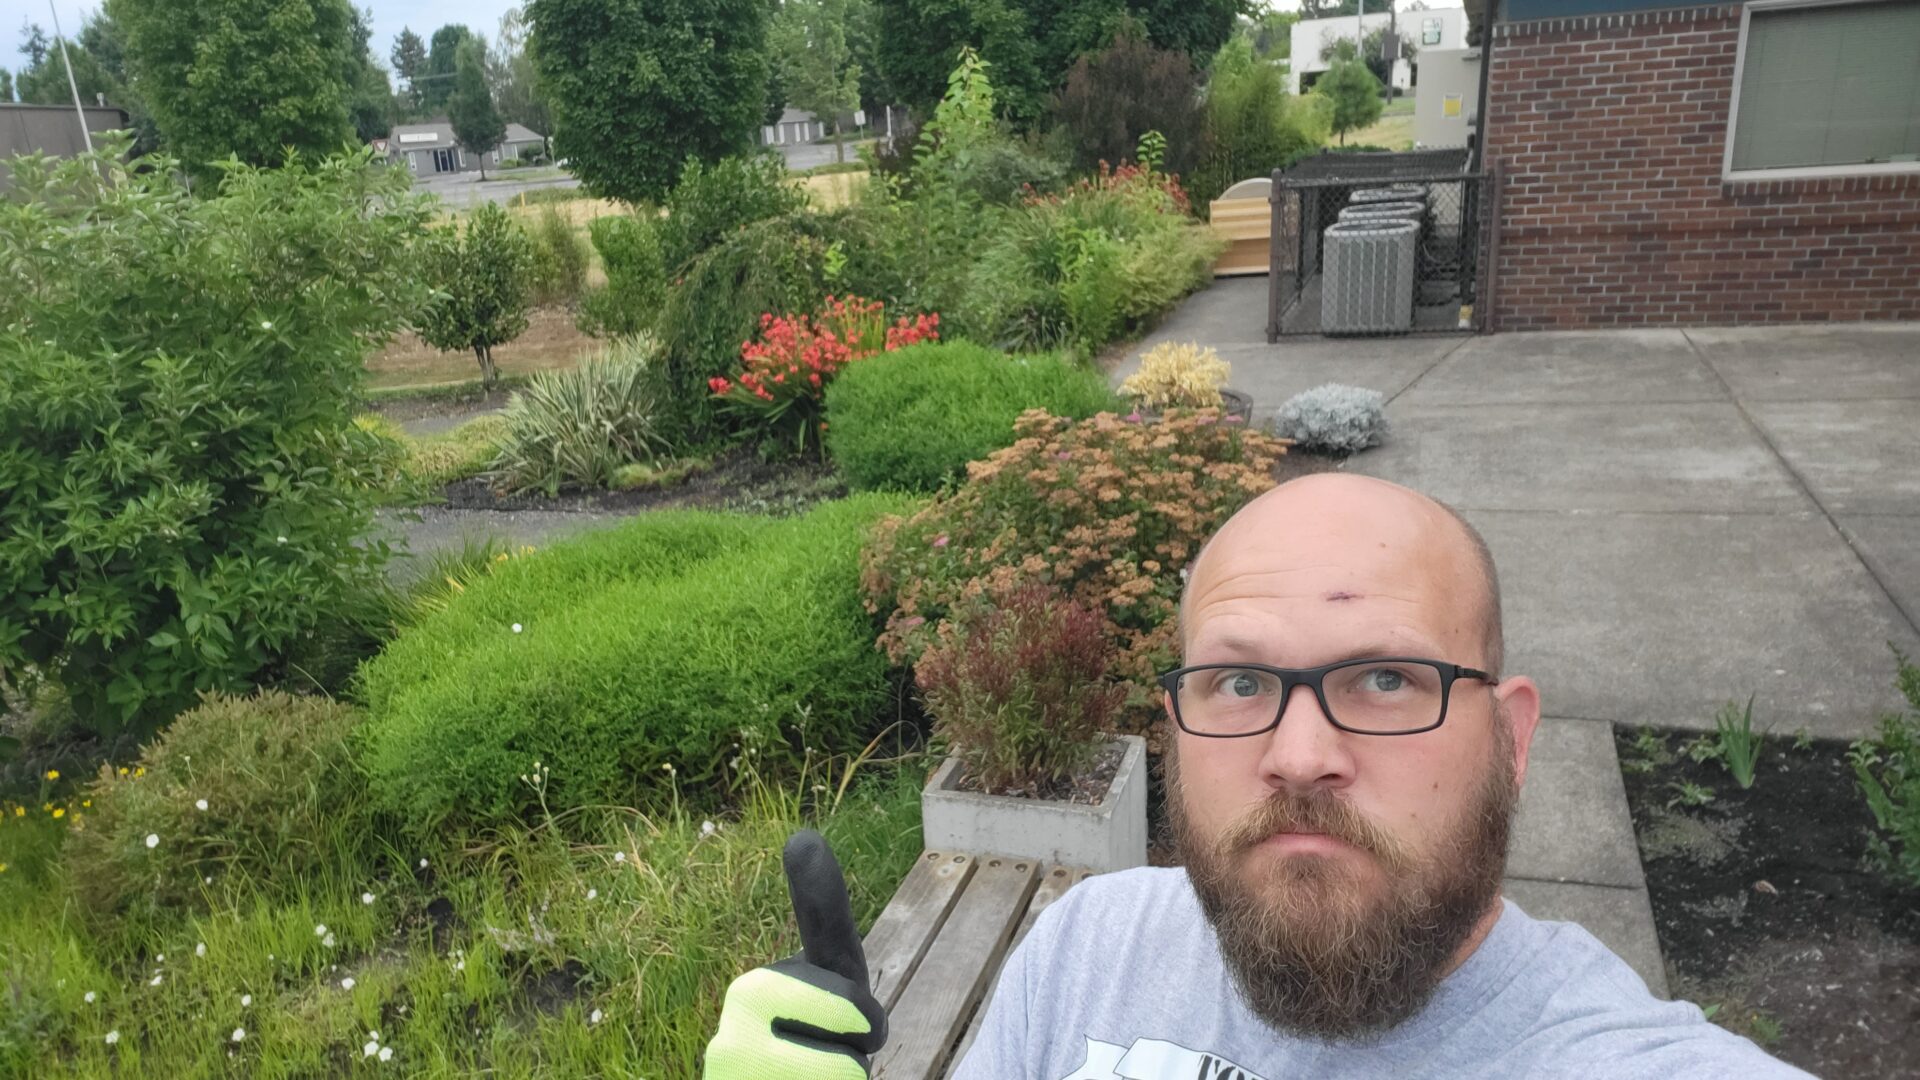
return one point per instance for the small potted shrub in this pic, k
(1184, 376)
(1020, 694)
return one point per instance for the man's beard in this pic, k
(1317, 946)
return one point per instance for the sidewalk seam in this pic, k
(1912, 619)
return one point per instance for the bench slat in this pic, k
(952, 975)
(912, 920)
(1054, 882)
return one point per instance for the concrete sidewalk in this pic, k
(1681, 518)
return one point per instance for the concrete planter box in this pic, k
(1109, 836)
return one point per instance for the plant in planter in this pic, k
(1184, 376)
(1020, 694)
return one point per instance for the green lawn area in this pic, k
(1394, 129)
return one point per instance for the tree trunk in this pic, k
(839, 143)
(488, 374)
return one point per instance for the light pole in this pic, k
(72, 86)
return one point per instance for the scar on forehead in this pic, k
(1342, 595)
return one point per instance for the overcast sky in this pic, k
(424, 16)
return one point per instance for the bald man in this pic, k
(1347, 757)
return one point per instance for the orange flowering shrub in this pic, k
(1105, 511)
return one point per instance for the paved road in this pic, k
(467, 189)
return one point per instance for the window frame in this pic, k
(1730, 175)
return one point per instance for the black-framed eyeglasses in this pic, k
(1375, 695)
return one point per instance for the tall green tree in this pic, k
(818, 71)
(248, 78)
(477, 126)
(517, 92)
(409, 58)
(1335, 49)
(6, 85)
(442, 63)
(1031, 43)
(99, 71)
(637, 87)
(480, 276)
(1353, 94)
(370, 93)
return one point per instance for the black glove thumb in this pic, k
(828, 937)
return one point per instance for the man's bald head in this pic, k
(1347, 510)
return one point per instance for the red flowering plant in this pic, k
(784, 373)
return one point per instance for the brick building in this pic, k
(1730, 163)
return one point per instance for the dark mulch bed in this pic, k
(737, 480)
(1766, 904)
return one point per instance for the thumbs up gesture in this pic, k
(810, 1016)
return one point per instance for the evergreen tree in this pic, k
(409, 58)
(442, 62)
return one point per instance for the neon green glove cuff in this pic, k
(748, 1048)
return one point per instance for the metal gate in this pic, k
(1373, 274)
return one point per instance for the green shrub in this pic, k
(912, 419)
(1083, 268)
(560, 258)
(1887, 769)
(576, 427)
(282, 801)
(430, 462)
(1103, 511)
(641, 665)
(185, 490)
(711, 202)
(629, 247)
(711, 310)
(1253, 126)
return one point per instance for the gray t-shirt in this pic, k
(1121, 979)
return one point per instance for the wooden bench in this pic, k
(936, 951)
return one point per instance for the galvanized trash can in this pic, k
(1367, 286)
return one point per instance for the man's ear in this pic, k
(1519, 701)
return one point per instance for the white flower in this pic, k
(90, 997)
(159, 958)
(706, 828)
(423, 864)
(593, 894)
(280, 539)
(239, 1034)
(200, 949)
(113, 1037)
(155, 981)
(595, 1018)
(346, 983)
(386, 1053)
(208, 879)
(327, 941)
(269, 958)
(619, 856)
(374, 1035)
(265, 324)
(516, 628)
(320, 931)
(153, 840)
(459, 965)
(366, 898)
(370, 1049)
(200, 805)
(246, 1001)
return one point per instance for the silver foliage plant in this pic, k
(1334, 418)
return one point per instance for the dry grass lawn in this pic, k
(551, 342)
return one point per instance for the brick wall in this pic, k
(1609, 132)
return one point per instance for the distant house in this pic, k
(794, 126)
(1431, 28)
(51, 129)
(430, 149)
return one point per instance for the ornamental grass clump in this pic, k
(1173, 375)
(1019, 691)
(1103, 512)
(576, 428)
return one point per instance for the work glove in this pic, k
(811, 1016)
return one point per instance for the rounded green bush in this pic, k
(633, 664)
(283, 801)
(912, 419)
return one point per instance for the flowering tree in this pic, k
(784, 375)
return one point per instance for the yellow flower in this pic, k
(141, 771)
(59, 812)
(88, 803)
(53, 774)
(123, 770)
(19, 811)
(3, 868)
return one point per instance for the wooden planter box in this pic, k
(1110, 835)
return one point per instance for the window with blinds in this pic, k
(1832, 85)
